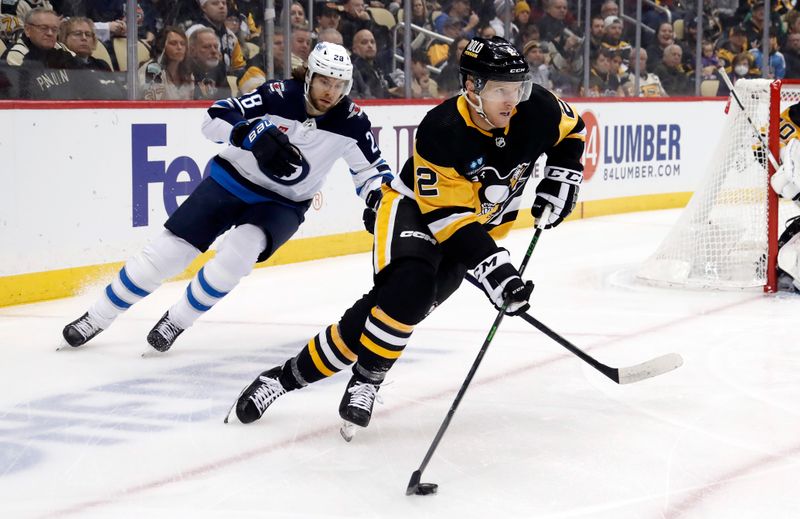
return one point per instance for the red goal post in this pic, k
(783, 93)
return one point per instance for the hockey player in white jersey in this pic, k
(284, 139)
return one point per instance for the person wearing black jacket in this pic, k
(38, 44)
(77, 34)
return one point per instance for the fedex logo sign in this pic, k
(146, 172)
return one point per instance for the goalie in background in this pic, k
(786, 183)
(459, 192)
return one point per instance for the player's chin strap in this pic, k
(478, 107)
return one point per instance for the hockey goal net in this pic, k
(726, 237)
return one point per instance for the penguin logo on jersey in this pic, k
(497, 189)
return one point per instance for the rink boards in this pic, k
(84, 188)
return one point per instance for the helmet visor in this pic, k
(506, 91)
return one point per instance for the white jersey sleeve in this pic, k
(367, 167)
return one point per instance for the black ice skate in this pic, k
(164, 333)
(81, 330)
(357, 401)
(257, 397)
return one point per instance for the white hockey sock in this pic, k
(234, 260)
(166, 256)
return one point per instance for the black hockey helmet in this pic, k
(494, 59)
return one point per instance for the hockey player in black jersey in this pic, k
(459, 192)
(284, 139)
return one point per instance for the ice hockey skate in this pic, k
(164, 333)
(80, 331)
(257, 397)
(356, 405)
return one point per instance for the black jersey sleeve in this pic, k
(567, 149)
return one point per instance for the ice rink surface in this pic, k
(101, 432)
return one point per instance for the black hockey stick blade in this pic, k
(413, 483)
(420, 489)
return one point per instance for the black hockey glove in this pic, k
(559, 189)
(501, 282)
(270, 146)
(373, 200)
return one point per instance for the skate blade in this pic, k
(231, 416)
(348, 431)
(152, 352)
(64, 345)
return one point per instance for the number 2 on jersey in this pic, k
(426, 180)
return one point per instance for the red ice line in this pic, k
(675, 511)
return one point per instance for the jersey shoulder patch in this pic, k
(353, 110)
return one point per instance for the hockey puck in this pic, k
(424, 489)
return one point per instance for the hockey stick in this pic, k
(625, 375)
(727, 80)
(414, 485)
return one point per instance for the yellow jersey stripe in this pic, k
(379, 350)
(446, 227)
(312, 350)
(383, 317)
(463, 110)
(569, 120)
(340, 345)
(384, 227)
(581, 136)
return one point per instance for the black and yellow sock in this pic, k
(383, 341)
(325, 354)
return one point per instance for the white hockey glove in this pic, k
(559, 188)
(786, 181)
(501, 282)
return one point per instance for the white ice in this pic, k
(101, 432)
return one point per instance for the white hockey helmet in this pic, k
(332, 60)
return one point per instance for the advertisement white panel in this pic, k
(91, 186)
(647, 148)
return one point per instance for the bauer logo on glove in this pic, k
(276, 156)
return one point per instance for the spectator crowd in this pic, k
(207, 49)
